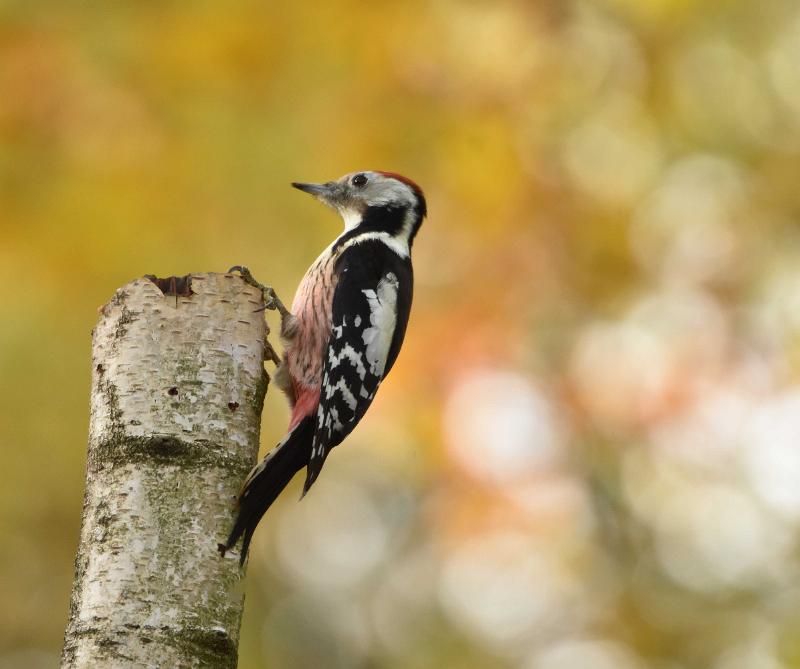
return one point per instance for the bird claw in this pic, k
(270, 353)
(248, 277)
(271, 300)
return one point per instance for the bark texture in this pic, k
(178, 385)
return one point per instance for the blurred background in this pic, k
(588, 454)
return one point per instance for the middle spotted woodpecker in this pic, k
(343, 333)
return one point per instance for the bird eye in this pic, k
(359, 180)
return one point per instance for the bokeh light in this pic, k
(500, 428)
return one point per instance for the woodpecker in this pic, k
(342, 334)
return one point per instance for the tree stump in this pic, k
(178, 385)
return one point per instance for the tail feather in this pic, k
(266, 481)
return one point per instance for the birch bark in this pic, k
(178, 386)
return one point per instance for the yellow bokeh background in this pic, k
(588, 453)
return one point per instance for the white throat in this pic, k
(351, 218)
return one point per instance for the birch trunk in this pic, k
(178, 386)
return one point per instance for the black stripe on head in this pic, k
(400, 218)
(388, 218)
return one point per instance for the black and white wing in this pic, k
(371, 305)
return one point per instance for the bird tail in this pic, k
(266, 481)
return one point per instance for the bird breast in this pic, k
(312, 308)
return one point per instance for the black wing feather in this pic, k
(349, 380)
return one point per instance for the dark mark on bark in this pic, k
(179, 286)
(173, 285)
(164, 450)
(209, 647)
(109, 392)
(125, 318)
(257, 401)
(233, 406)
(119, 297)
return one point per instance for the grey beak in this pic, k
(323, 191)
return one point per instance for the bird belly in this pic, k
(304, 353)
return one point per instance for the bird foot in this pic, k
(271, 300)
(270, 353)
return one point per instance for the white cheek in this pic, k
(390, 191)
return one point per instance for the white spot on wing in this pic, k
(382, 317)
(341, 386)
(351, 354)
(337, 424)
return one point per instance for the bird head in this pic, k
(373, 201)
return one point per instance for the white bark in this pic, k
(176, 402)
